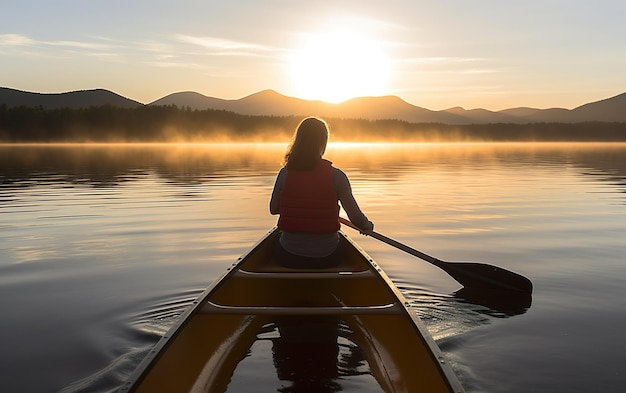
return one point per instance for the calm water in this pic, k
(103, 247)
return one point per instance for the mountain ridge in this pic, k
(271, 103)
(73, 99)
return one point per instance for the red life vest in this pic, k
(309, 202)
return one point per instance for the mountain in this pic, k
(483, 116)
(266, 102)
(611, 109)
(608, 110)
(390, 107)
(193, 100)
(272, 103)
(74, 99)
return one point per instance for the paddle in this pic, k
(469, 274)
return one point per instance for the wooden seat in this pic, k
(386, 309)
(298, 274)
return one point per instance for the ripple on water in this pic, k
(138, 335)
(452, 315)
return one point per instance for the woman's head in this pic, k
(308, 145)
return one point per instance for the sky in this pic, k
(434, 54)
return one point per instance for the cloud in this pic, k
(15, 40)
(185, 52)
(18, 40)
(220, 46)
(77, 44)
(174, 64)
(441, 60)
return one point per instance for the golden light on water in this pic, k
(435, 188)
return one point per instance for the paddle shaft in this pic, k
(469, 274)
(393, 243)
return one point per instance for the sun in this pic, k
(336, 66)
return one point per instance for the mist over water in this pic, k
(104, 246)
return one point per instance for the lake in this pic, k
(103, 247)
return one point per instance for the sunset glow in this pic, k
(336, 66)
(435, 55)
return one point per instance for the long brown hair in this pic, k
(308, 145)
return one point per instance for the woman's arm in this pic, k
(278, 187)
(349, 204)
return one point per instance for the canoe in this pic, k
(324, 330)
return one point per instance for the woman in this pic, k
(306, 195)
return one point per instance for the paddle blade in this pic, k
(480, 275)
(468, 274)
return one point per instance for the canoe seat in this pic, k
(291, 274)
(385, 309)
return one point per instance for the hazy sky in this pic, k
(435, 54)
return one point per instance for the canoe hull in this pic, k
(305, 315)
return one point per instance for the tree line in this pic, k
(107, 123)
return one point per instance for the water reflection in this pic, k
(110, 165)
(110, 231)
(305, 354)
(452, 315)
(499, 304)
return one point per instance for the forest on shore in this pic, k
(103, 124)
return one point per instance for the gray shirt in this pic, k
(315, 244)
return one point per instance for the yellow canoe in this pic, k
(324, 326)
